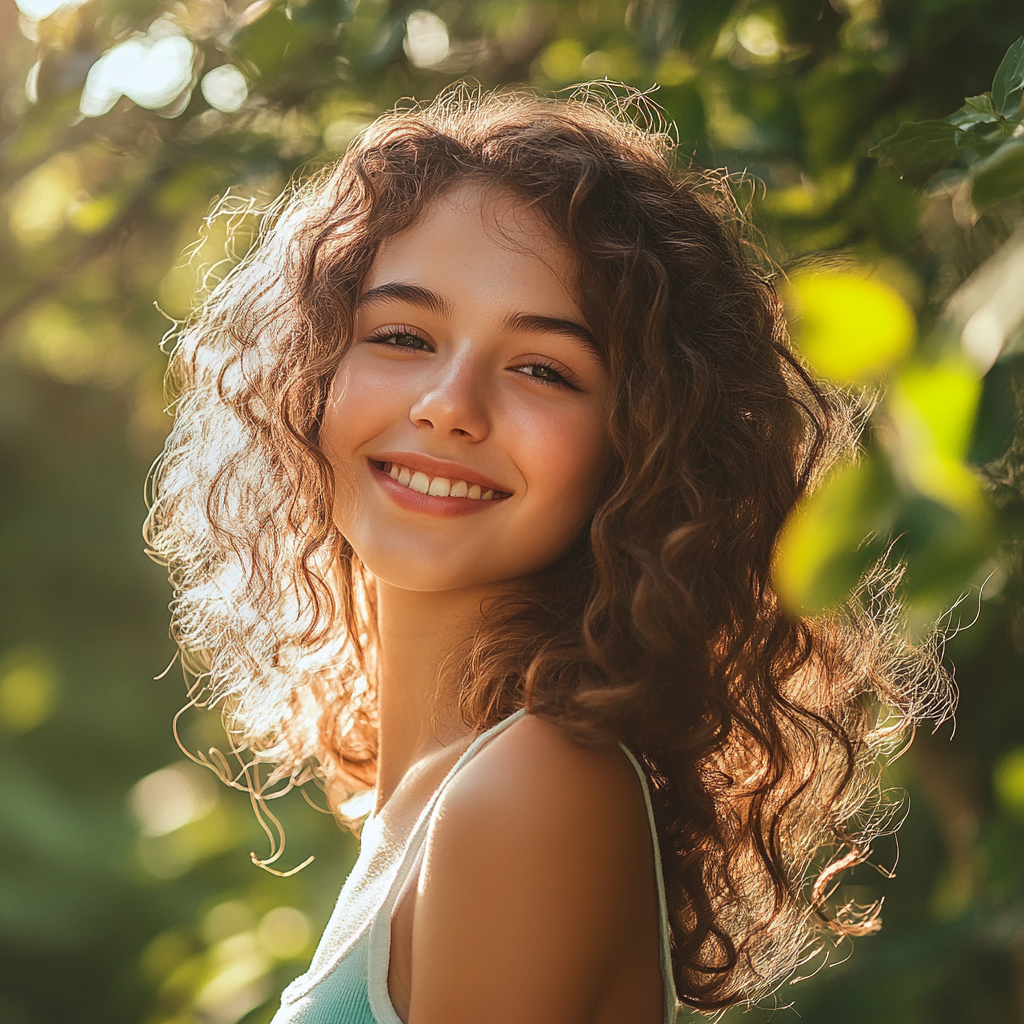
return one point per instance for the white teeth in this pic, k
(438, 486)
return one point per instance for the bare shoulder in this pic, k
(535, 774)
(537, 883)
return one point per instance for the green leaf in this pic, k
(999, 177)
(979, 140)
(266, 41)
(1008, 85)
(321, 14)
(918, 145)
(702, 20)
(976, 110)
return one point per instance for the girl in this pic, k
(480, 461)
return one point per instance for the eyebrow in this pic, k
(534, 323)
(411, 293)
(526, 323)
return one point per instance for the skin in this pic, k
(535, 898)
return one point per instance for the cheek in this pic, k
(361, 403)
(357, 410)
(562, 455)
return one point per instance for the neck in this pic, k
(415, 631)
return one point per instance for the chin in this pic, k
(414, 572)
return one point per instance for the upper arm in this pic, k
(530, 885)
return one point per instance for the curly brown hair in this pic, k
(761, 733)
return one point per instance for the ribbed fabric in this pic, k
(347, 980)
(341, 997)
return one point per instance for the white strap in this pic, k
(379, 951)
(667, 975)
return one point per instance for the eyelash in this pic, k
(562, 381)
(386, 336)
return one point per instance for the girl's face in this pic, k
(467, 421)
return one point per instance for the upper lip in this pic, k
(441, 467)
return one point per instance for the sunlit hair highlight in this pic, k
(762, 735)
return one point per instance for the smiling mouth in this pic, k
(436, 486)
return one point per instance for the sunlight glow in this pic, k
(239, 983)
(284, 933)
(851, 326)
(426, 39)
(171, 798)
(36, 10)
(757, 36)
(151, 72)
(225, 88)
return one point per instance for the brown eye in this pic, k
(408, 341)
(400, 339)
(545, 374)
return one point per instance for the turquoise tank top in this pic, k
(347, 980)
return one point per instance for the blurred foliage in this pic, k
(127, 892)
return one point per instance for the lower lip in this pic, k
(429, 504)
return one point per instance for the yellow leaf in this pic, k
(823, 536)
(850, 327)
(933, 409)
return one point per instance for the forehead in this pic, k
(478, 241)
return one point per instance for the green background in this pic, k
(139, 903)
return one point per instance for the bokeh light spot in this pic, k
(338, 134)
(37, 10)
(562, 61)
(149, 71)
(426, 39)
(239, 983)
(1008, 781)
(227, 919)
(28, 689)
(284, 933)
(171, 798)
(167, 951)
(61, 343)
(757, 36)
(41, 202)
(225, 88)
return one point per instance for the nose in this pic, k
(453, 403)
